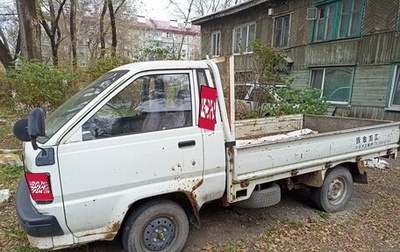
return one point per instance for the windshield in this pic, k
(72, 106)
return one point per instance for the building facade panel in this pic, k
(356, 40)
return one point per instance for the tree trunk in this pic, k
(29, 29)
(102, 32)
(5, 55)
(72, 24)
(113, 28)
(185, 29)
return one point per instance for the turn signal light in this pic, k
(39, 187)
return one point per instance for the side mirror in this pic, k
(36, 125)
(21, 130)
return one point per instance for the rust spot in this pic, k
(109, 237)
(244, 183)
(198, 184)
(111, 230)
(294, 172)
(230, 152)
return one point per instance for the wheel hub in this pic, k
(337, 191)
(158, 234)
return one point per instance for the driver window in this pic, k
(150, 103)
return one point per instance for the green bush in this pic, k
(36, 84)
(273, 101)
(104, 65)
(292, 101)
(6, 91)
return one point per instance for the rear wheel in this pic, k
(336, 191)
(156, 226)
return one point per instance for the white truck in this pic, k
(140, 150)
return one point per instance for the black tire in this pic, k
(160, 225)
(262, 198)
(336, 191)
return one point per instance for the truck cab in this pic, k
(128, 139)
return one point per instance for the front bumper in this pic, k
(32, 222)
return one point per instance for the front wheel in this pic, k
(160, 225)
(335, 192)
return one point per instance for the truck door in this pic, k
(139, 142)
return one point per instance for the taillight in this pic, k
(39, 187)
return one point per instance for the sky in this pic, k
(157, 9)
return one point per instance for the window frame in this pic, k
(247, 48)
(394, 82)
(216, 49)
(323, 83)
(288, 30)
(337, 16)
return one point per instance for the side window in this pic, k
(338, 19)
(150, 103)
(395, 94)
(215, 43)
(335, 83)
(281, 31)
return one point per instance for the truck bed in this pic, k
(333, 140)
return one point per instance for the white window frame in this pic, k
(216, 49)
(247, 47)
(395, 85)
(323, 84)
(288, 35)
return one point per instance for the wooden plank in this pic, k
(267, 126)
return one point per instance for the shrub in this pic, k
(291, 101)
(36, 84)
(275, 101)
(104, 65)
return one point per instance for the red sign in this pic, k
(208, 107)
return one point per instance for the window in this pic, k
(335, 83)
(338, 19)
(215, 43)
(150, 103)
(242, 38)
(281, 31)
(395, 95)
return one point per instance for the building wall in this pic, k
(372, 54)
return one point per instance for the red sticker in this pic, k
(208, 107)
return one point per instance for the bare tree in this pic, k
(29, 29)
(113, 28)
(51, 26)
(102, 31)
(9, 35)
(5, 54)
(72, 25)
(200, 8)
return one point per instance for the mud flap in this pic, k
(360, 178)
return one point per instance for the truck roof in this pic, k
(160, 65)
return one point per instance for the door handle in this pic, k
(186, 143)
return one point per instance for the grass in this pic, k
(9, 176)
(233, 246)
(324, 215)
